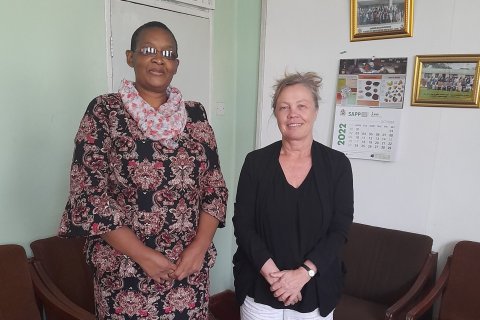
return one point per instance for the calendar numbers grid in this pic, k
(366, 134)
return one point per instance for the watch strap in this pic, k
(310, 272)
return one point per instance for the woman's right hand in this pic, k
(289, 284)
(268, 268)
(156, 266)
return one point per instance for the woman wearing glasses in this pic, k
(147, 191)
(293, 209)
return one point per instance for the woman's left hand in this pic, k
(193, 256)
(190, 261)
(289, 285)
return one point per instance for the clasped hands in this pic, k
(161, 269)
(286, 285)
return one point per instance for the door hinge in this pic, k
(111, 46)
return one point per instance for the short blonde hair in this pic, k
(310, 80)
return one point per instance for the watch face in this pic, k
(311, 273)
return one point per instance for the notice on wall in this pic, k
(368, 107)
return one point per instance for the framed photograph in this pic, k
(446, 81)
(380, 19)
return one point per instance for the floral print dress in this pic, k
(120, 178)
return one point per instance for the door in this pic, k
(193, 36)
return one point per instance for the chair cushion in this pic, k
(17, 299)
(382, 264)
(350, 308)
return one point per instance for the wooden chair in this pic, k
(387, 271)
(60, 266)
(17, 298)
(458, 286)
(20, 299)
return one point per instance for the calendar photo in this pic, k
(378, 82)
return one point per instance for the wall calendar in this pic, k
(368, 107)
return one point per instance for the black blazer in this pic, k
(333, 176)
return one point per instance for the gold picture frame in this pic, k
(380, 19)
(447, 81)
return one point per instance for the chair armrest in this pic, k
(53, 299)
(423, 305)
(426, 274)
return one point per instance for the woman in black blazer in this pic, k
(293, 210)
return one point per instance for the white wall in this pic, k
(433, 186)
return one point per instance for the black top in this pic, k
(274, 220)
(291, 218)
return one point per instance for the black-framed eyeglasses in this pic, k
(152, 52)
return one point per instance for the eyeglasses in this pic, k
(152, 52)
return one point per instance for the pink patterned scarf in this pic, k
(163, 125)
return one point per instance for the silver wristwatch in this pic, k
(310, 272)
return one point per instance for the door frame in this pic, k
(198, 8)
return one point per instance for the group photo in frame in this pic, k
(380, 19)
(446, 81)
